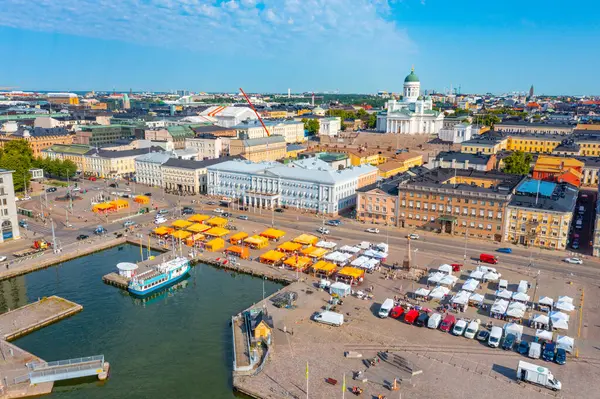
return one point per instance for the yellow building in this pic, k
(274, 114)
(293, 150)
(484, 145)
(303, 111)
(258, 150)
(74, 152)
(63, 98)
(534, 144)
(589, 147)
(399, 164)
(358, 158)
(39, 139)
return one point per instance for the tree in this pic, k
(518, 163)
(311, 125)
(488, 119)
(372, 121)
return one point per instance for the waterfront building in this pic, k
(63, 98)
(462, 160)
(259, 150)
(413, 114)
(112, 164)
(8, 208)
(540, 214)
(377, 203)
(308, 183)
(186, 176)
(456, 202)
(39, 139)
(148, 168)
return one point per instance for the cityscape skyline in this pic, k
(353, 46)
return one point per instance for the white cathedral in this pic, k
(413, 114)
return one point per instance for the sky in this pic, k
(353, 46)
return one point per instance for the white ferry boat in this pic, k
(159, 276)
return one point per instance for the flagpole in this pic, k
(344, 387)
(307, 379)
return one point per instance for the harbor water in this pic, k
(174, 344)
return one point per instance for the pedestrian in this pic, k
(284, 329)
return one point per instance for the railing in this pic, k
(68, 362)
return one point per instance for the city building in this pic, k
(73, 152)
(227, 116)
(534, 128)
(113, 164)
(596, 237)
(63, 98)
(294, 150)
(377, 203)
(458, 133)
(187, 177)
(148, 168)
(328, 125)
(292, 131)
(413, 114)
(457, 202)
(100, 135)
(259, 150)
(399, 163)
(214, 130)
(463, 160)
(309, 184)
(8, 208)
(540, 213)
(558, 169)
(208, 146)
(39, 139)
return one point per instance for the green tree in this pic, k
(518, 163)
(311, 125)
(372, 121)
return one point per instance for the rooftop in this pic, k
(189, 164)
(78, 149)
(461, 157)
(555, 197)
(263, 140)
(122, 154)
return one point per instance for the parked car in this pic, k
(113, 185)
(226, 214)
(396, 312)
(413, 236)
(51, 190)
(505, 250)
(459, 328)
(482, 335)
(411, 316)
(575, 261)
(372, 230)
(561, 356)
(509, 342)
(523, 347)
(549, 353)
(148, 194)
(129, 223)
(3, 258)
(218, 210)
(323, 230)
(160, 220)
(334, 222)
(279, 210)
(187, 211)
(23, 224)
(92, 178)
(434, 320)
(243, 217)
(211, 203)
(535, 350)
(495, 337)
(422, 319)
(487, 258)
(163, 211)
(472, 329)
(447, 323)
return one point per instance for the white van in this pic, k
(331, 318)
(535, 350)
(495, 337)
(503, 285)
(434, 320)
(459, 328)
(472, 329)
(160, 220)
(386, 308)
(523, 286)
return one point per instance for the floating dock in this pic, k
(36, 315)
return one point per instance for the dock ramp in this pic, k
(66, 369)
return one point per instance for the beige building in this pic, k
(534, 128)
(111, 164)
(8, 208)
(259, 150)
(185, 176)
(292, 131)
(208, 146)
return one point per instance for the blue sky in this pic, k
(272, 45)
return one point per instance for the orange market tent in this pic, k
(289, 246)
(215, 245)
(273, 234)
(325, 268)
(238, 237)
(197, 228)
(306, 239)
(181, 224)
(314, 252)
(351, 273)
(257, 242)
(181, 234)
(242, 252)
(120, 204)
(198, 218)
(272, 257)
(190, 241)
(142, 199)
(298, 262)
(217, 222)
(163, 230)
(217, 232)
(103, 207)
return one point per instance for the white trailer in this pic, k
(331, 318)
(538, 375)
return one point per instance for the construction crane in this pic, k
(256, 112)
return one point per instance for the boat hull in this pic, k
(161, 286)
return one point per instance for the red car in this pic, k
(411, 316)
(92, 178)
(396, 312)
(447, 323)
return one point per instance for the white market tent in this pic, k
(439, 292)
(541, 319)
(371, 264)
(462, 298)
(520, 297)
(566, 306)
(544, 335)
(559, 315)
(349, 249)
(499, 306)
(516, 310)
(559, 320)
(470, 285)
(445, 268)
(514, 328)
(546, 301)
(486, 269)
(491, 276)
(422, 292)
(504, 294)
(375, 254)
(567, 343)
(565, 298)
(476, 274)
(364, 245)
(448, 280)
(338, 257)
(476, 298)
(358, 262)
(326, 244)
(435, 277)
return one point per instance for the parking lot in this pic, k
(582, 227)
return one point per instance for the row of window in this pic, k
(457, 210)
(450, 199)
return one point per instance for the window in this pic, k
(433, 206)
(457, 210)
(499, 216)
(474, 202)
(410, 204)
(472, 224)
(473, 211)
(489, 226)
(490, 214)
(426, 205)
(432, 218)
(481, 213)
(464, 223)
(480, 226)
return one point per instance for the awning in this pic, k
(238, 237)
(445, 268)
(197, 228)
(198, 218)
(324, 267)
(439, 292)
(217, 232)
(217, 222)
(181, 224)
(422, 292)
(541, 319)
(314, 252)
(272, 256)
(462, 298)
(544, 335)
(181, 234)
(289, 246)
(447, 218)
(142, 199)
(351, 272)
(257, 241)
(215, 244)
(306, 239)
(162, 230)
(298, 262)
(273, 234)
(242, 252)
